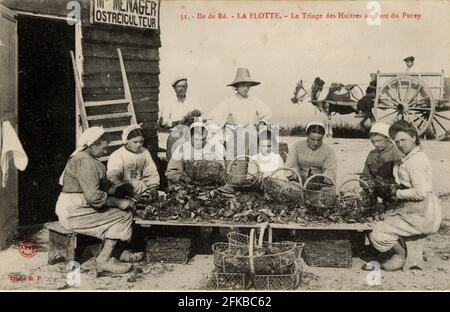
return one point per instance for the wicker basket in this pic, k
(232, 258)
(168, 249)
(205, 172)
(283, 191)
(243, 257)
(237, 174)
(328, 249)
(356, 205)
(319, 201)
(278, 282)
(226, 281)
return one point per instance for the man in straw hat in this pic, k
(237, 113)
(241, 108)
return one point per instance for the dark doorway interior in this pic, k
(46, 113)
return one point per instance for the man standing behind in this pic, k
(172, 113)
(409, 64)
(173, 110)
(241, 108)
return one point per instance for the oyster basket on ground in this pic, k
(320, 200)
(280, 281)
(205, 172)
(269, 265)
(356, 204)
(283, 191)
(225, 281)
(238, 175)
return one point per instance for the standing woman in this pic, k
(418, 209)
(312, 156)
(86, 206)
(133, 163)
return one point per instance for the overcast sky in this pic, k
(279, 52)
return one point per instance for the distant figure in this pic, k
(409, 63)
(365, 104)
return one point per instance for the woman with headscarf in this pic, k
(418, 211)
(133, 163)
(380, 161)
(86, 204)
(312, 156)
(197, 148)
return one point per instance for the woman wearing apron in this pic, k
(418, 211)
(86, 206)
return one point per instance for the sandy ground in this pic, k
(17, 272)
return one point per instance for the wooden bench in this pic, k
(62, 243)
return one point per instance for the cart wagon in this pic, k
(420, 98)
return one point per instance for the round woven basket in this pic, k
(237, 174)
(323, 199)
(205, 172)
(283, 191)
(356, 205)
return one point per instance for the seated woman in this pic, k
(312, 156)
(86, 206)
(379, 164)
(266, 159)
(133, 163)
(418, 209)
(195, 149)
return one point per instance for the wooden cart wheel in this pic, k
(441, 121)
(405, 97)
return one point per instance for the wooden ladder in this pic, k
(101, 118)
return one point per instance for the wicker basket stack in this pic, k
(267, 265)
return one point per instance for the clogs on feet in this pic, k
(128, 256)
(113, 266)
(395, 263)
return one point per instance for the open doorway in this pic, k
(46, 113)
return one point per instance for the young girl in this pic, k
(133, 163)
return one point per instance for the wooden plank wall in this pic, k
(102, 77)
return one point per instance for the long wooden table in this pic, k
(359, 227)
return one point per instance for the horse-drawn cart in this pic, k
(421, 98)
(417, 97)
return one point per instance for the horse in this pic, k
(341, 99)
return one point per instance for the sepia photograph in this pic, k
(215, 146)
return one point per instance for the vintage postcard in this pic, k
(169, 145)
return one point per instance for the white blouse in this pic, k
(415, 174)
(138, 169)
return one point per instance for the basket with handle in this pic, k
(283, 191)
(356, 203)
(205, 171)
(252, 258)
(322, 199)
(238, 175)
(287, 276)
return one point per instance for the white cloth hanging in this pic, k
(11, 149)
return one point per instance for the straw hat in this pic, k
(243, 75)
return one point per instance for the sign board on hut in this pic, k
(130, 13)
